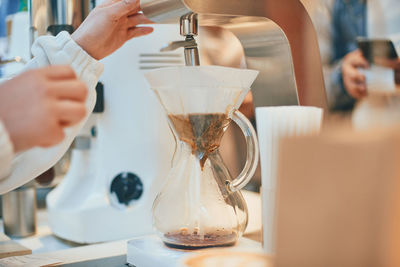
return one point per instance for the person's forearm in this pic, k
(338, 98)
(60, 50)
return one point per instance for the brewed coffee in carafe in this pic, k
(200, 204)
(203, 132)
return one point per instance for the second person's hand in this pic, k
(354, 81)
(109, 26)
(37, 105)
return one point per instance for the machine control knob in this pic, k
(126, 187)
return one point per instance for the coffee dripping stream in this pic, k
(203, 132)
(206, 129)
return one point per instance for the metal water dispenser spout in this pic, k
(249, 21)
(188, 29)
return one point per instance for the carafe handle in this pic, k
(252, 152)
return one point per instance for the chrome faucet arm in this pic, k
(188, 29)
(178, 44)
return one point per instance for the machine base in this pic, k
(150, 251)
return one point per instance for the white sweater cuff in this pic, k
(62, 50)
(6, 152)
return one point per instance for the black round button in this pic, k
(127, 187)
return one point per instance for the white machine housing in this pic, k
(133, 140)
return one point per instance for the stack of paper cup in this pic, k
(274, 123)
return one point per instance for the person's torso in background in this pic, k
(365, 18)
(348, 22)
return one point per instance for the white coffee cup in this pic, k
(274, 123)
(379, 78)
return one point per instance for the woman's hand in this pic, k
(353, 79)
(35, 106)
(109, 26)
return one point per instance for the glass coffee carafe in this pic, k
(200, 204)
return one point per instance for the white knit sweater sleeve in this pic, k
(49, 50)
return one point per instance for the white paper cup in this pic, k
(274, 123)
(379, 78)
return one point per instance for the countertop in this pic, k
(49, 249)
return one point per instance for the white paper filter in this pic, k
(274, 123)
(200, 89)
